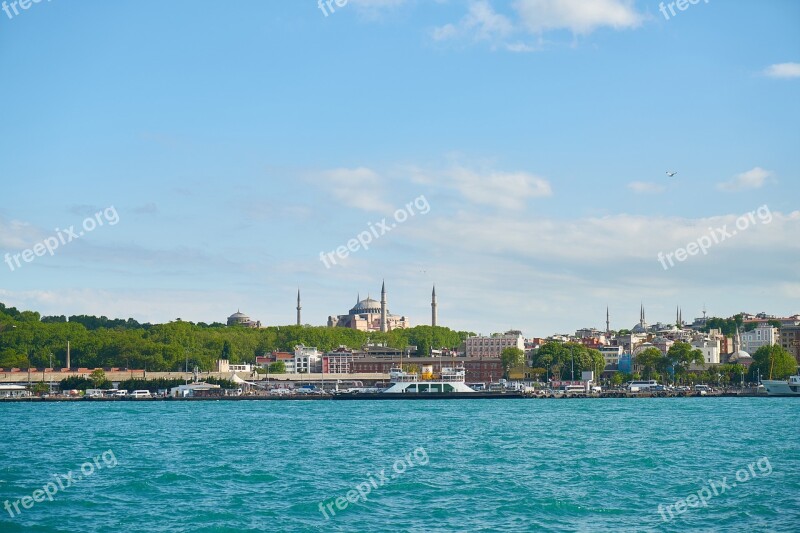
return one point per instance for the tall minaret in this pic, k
(383, 307)
(608, 323)
(677, 317)
(434, 313)
(299, 323)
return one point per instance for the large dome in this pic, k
(367, 306)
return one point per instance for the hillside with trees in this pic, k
(27, 339)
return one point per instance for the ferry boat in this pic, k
(779, 387)
(450, 379)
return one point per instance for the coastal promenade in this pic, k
(35, 376)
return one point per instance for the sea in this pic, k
(661, 464)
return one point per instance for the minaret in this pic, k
(608, 323)
(298, 308)
(434, 313)
(383, 308)
(677, 317)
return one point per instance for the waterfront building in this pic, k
(478, 369)
(493, 346)
(611, 355)
(191, 390)
(370, 315)
(763, 335)
(790, 341)
(382, 350)
(287, 358)
(709, 346)
(663, 344)
(263, 361)
(338, 361)
(306, 359)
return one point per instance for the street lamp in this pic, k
(572, 352)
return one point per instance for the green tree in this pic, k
(774, 363)
(681, 356)
(40, 388)
(538, 372)
(511, 357)
(98, 378)
(278, 367)
(649, 359)
(620, 377)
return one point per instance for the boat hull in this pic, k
(780, 388)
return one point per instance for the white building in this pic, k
(493, 346)
(709, 347)
(306, 359)
(763, 335)
(190, 389)
(14, 391)
(611, 355)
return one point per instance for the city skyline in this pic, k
(535, 165)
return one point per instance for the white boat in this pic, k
(778, 387)
(450, 379)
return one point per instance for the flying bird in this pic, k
(670, 174)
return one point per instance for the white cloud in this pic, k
(578, 16)
(15, 234)
(485, 22)
(752, 179)
(644, 187)
(443, 33)
(783, 70)
(559, 270)
(521, 47)
(360, 187)
(506, 190)
(481, 23)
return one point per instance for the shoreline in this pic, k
(378, 397)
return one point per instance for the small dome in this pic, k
(638, 328)
(741, 355)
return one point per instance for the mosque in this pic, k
(371, 315)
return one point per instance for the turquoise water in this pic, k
(467, 465)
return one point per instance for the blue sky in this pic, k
(238, 142)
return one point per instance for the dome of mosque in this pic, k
(367, 305)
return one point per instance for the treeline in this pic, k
(152, 385)
(565, 360)
(27, 340)
(728, 325)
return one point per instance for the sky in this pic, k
(188, 159)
